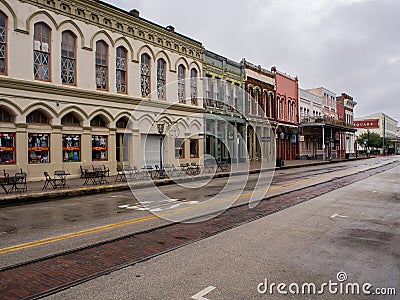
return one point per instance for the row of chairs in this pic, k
(132, 172)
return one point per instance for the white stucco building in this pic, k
(83, 82)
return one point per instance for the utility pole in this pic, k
(384, 133)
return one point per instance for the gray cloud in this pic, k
(347, 46)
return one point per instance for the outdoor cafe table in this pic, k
(60, 178)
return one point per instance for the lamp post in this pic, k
(282, 137)
(160, 128)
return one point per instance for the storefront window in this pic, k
(7, 148)
(194, 148)
(38, 148)
(99, 147)
(71, 144)
(179, 148)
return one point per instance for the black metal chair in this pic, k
(48, 181)
(20, 182)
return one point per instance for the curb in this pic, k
(62, 194)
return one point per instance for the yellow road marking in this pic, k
(151, 217)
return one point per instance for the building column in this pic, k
(323, 143)
(112, 151)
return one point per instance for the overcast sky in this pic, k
(350, 46)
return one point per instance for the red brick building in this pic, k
(287, 116)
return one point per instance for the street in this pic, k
(303, 242)
(353, 230)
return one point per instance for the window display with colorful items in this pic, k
(7, 148)
(99, 147)
(38, 148)
(71, 144)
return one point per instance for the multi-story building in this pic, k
(83, 82)
(345, 110)
(259, 112)
(286, 115)
(332, 127)
(381, 124)
(310, 138)
(224, 120)
(328, 100)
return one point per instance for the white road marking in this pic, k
(199, 295)
(337, 215)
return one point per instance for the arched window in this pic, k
(3, 44)
(121, 70)
(265, 104)
(161, 78)
(70, 120)
(181, 83)
(41, 52)
(5, 116)
(289, 112)
(68, 58)
(98, 121)
(249, 101)
(193, 86)
(270, 96)
(293, 112)
(102, 66)
(122, 123)
(145, 74)
(37, 117)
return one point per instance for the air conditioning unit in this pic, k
(37, 45)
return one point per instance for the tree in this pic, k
(370, 139)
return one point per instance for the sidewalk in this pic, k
(76, 186)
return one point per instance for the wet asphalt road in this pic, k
(349, 237)
(35, 222)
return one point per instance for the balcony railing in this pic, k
(325, 120)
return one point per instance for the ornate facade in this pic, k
(225, 125)
(260, 112)
(86, 83)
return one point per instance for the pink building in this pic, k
(287, 116)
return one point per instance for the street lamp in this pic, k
(160, 128)
(282, 137)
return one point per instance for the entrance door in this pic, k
(150, 149)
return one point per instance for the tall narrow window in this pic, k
(121, 70)
(236, 98)
(208, 90)
(68, 57)
(270, 105)
(249, 101)
(228, 95)
(161, 78)
(3, 44)
(41, 52)
(181, 83)
(217, 92)
(145, 74)
(193, 86)
(101, 66)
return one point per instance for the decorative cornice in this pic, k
(106, 16)
(40, 87)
